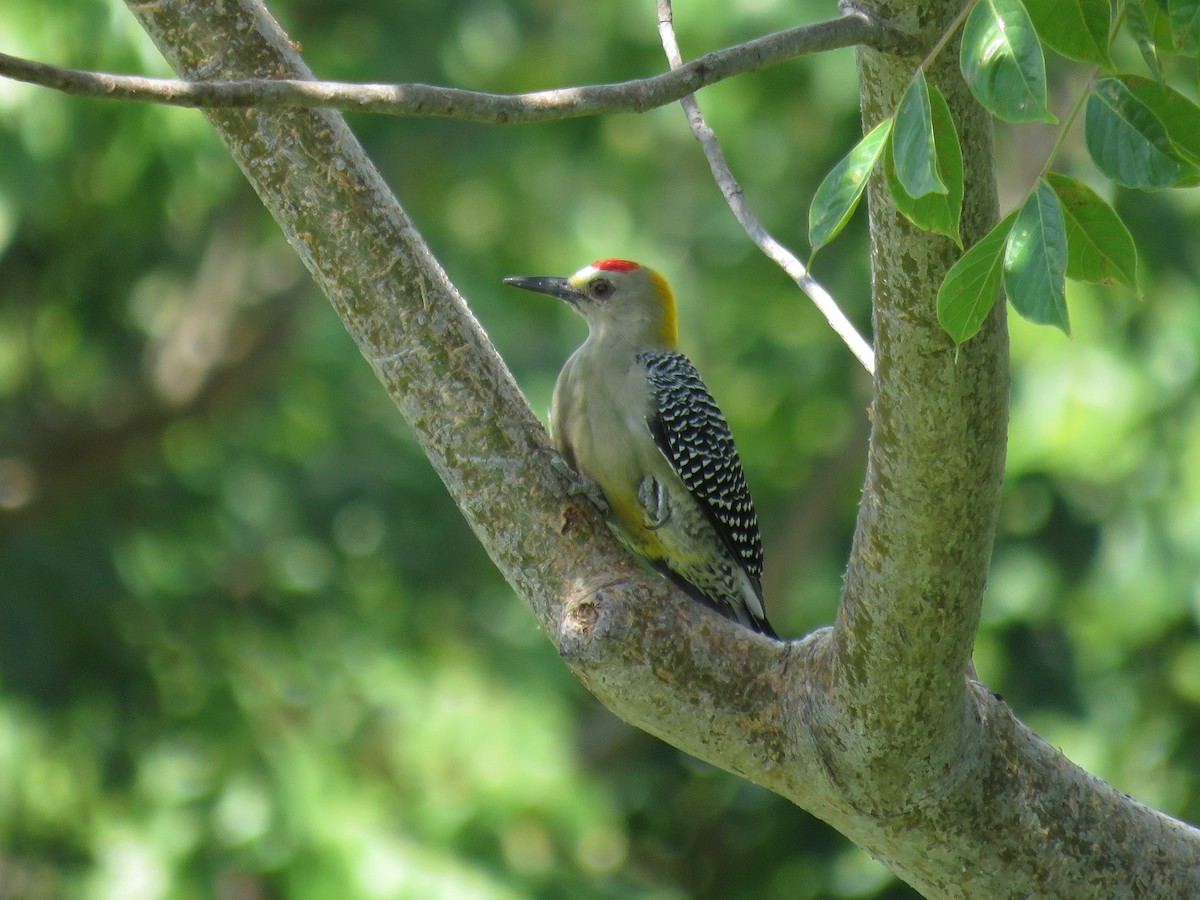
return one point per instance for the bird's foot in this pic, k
(652, 495)
(580, 485)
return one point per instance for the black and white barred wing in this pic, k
(692, 433)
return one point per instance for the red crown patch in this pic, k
(615, 265)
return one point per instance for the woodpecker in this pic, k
(631, 413)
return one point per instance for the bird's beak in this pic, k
(548, 284)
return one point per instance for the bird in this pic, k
(631, 414)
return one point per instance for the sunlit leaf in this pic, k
(839, 192)
(1100, 248)
(1001, 59)
(1075, 28)
(935, 212)
(913, 142)
(1035, 260)
(1127, 141)
(972, 285)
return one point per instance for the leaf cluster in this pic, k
(1139, 132)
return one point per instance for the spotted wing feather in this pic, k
(692, 433)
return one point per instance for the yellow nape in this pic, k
(668, 331)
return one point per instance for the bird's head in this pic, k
(616, 297)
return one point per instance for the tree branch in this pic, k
(966, 800)
(285, 92)
(991, 811)
(655, 657)
(736, 199)
(926, 525)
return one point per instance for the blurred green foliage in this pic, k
(249, 649)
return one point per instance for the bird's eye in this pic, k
(600, 288)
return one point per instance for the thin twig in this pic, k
(947, 34)
(637, 95)
(734, 196)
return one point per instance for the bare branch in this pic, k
(734, 196)
(638, 95)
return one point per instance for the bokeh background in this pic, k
(248, 647)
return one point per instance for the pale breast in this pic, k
(598, 422)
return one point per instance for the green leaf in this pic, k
(1179, 115)
(913, 143)
(1001, 59)
(935, 212)
(1126, 140)
(1035, 260)
(839, 192)
(1139, 29)
(1185, 24)
(1078, 29)
(1100, 248)
(972, 285)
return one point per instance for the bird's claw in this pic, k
(580, 485)
(652, 495)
